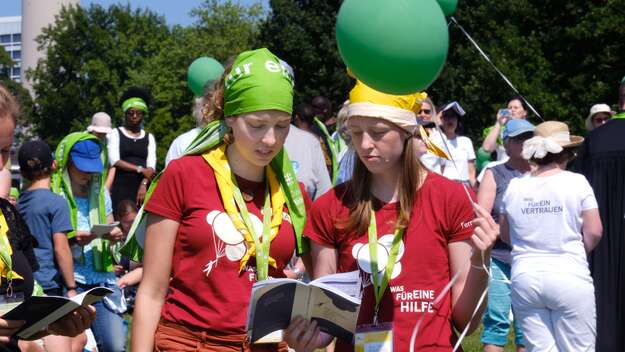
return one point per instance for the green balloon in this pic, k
(202, 71)
(448, 6)
(394, 46)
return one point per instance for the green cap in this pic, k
(257, 81)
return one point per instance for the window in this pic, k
(17, 37)
(16, 71)
(16, 55)
(5, 38)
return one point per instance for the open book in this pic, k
(39, 312)
(332, 301)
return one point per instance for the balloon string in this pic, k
(487, 58)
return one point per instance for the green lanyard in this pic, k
(262, 244)
(379, 288)
(331, 146)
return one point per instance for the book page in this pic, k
(270, 309)
(335, 312)
(349, 283)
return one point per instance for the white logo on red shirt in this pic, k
(361, 253)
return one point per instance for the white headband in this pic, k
(538, 147)
(403, 118)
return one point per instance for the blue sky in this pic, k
(175, 11)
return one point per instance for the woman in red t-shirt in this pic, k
(205, 234)
(434, 221)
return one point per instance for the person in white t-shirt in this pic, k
(550, 218)
(180, 144)
(462, 166)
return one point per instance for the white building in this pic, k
(11, 41)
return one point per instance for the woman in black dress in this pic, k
(132, 151)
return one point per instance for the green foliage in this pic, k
(94, 54)
(90, 54)
(301, 32)
(563, 56)
(222, 30)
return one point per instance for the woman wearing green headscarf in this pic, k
(206, 241)
(132, 150)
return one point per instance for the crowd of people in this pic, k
(260, 189)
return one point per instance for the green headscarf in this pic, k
(136, 103)
(257, 81)
(61, 184)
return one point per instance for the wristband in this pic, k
(69, 288)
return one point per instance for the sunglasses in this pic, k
(425, 111)
(600, 119)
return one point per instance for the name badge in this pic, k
(374, 338)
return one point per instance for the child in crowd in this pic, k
(48, 220)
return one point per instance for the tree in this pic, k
(90, 53)
(564, 56)
(22, 95)
(222, 29)
(301, 32)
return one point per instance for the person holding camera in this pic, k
(493, 142)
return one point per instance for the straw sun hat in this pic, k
(549, 137)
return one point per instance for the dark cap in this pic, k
(34, 156)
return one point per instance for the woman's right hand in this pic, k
(502, 119)
(10, 327)
(84, 237)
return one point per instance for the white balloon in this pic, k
(364, 258)
(387, 241)
(225, 230)
(236, 252)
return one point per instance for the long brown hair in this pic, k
(360, 202)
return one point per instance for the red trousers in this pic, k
(173, 337)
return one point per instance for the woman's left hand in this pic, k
(485, 230)
(302, 335)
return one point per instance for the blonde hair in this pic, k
(360, 202)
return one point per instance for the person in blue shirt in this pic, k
(47, 217)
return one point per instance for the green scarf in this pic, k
(210, 137)
(61, 184)
(257, 81)
(332, 146)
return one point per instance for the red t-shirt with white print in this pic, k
(207, 291)
(441, 214)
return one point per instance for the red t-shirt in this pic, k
(207, 291)
(441, 214)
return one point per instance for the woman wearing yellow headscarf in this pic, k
(407, 230)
